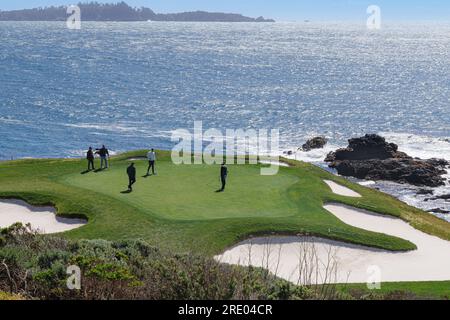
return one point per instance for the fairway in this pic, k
(188, 192)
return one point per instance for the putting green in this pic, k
(188, 192)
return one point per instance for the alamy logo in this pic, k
(74, 20)
(236, 146)
(374, 20)
(74, 279)
(374, 279)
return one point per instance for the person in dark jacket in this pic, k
(104, 155)
(223, 176)
(131, 172)
(90, 158)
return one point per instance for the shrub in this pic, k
(9, 296)
(35, 267)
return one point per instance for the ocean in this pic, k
(129, 85)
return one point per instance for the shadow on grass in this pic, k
(126, 191)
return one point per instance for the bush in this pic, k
(34, 266)
(9, 296)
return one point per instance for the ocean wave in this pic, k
(103, 127)
(80, 153)
(316, 156)
(420, 146)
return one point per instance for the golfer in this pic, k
(104, 155)
(223, 176)
(131, 172)
(151, 156)
(90, 158)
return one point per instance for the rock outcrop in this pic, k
(439, 210)
(314, 143)
(425, 192)
(371, 157)
(445, 197)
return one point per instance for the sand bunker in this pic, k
(341, 190)
(43, 219)
(274, 163)
(315, 260)
(137, 159)
(367, 183)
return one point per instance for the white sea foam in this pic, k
(313, 156)
(82, 153)
(420, 146)
(366, 183)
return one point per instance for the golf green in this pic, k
(189, 192)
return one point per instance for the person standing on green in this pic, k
(223, 176)
(131, 172)
(90, 158)
(151, 156)
(104, 155)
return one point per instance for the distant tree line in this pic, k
(94, 11)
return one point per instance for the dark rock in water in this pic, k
(424, 191)
(438, 162)
(289, 153)
(315, 143)
(439, 210)
(371, 157)
(445, 197)
(371, 146)
(415, 172)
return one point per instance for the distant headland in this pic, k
(121, 11)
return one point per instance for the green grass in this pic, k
(187, 192)
(422, 290)
(179, 209)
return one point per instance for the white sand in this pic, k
(341, 190)
(353, 263)
(274, 163)
(367, 183)
(43, 219)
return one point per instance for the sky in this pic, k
(282, 10)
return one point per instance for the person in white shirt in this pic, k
(151, 156)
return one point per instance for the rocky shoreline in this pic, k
(372, 161)
(372, 158)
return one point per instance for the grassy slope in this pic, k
(179, 210)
